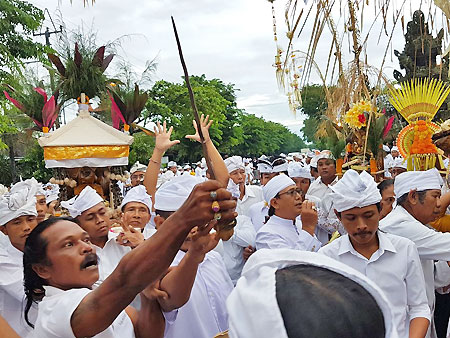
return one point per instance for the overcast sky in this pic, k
(231, 40)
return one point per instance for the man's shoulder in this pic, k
(398, 242)
(331, 249)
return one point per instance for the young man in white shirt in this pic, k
(418, 203)
(392, 262)
(18, 217)
(282, 229)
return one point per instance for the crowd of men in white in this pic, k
(165, 273)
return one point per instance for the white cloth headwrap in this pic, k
(386, 148)
(282, 167)
(417, 180)
(137, 194)
(20, 201)
(172, 194)
(51, 194)
(253, 308)
(87, 198)
(138, 167)
(233, 163)
(394, 148)
(275, 185)
(264, 167)
(171, 164)
(354, 190)
(399, 162)
(313, 162)
(295, 169)
(40, 190)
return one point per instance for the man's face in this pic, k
(361, 224)
(41, 207)
(395, 153)
(136, 214)
(302, 183)
(137, 177)
(18, 230)
(238, 176)
(326, 168)
(387, 200)
(266, 177)
(397, 171)
(308, 160)
(288, 204)
(173, 169)
(72, 258)
(428, 210)
(95, 221)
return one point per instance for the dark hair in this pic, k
(35, 252)
(377, 204)
(164, 214)
(314, 169)
(316, 294)
(402, 200)
(383, 185)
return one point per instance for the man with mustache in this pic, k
(418, 203)
(392, 262)
(18, 217)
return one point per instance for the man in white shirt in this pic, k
(391, 261)
(301, 176)
(18, 217)
(41, 203)
(418, 203)
(169, 174)
(283, 230)
(398, 166)
(387, 161)
(319, 191)
(248, 194)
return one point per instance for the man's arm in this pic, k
(149, 261)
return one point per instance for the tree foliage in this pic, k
(314, 104)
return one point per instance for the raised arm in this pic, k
(162, 143)
(149, 261)
(219, 167)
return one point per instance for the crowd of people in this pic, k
(285, 249)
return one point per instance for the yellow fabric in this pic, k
(442, 224)
(72, 153)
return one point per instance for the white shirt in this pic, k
(328, 220)
(57, 307)
(387, 164)
(12, 294)
(431, 245)
(283, 233)
(205, 314)
(166, 177)
(395, 267)
(244, 235)
(257, 214)
(253, 194)
(200, 172)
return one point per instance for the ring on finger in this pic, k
(217, 216)
(215, 206)
(213, 195)
(314, 208)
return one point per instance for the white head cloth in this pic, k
(295, 169)
(354, 190)
(233, 163)
(313, 162)
(253, 308)
(311, 154)
(264, 167)
(187, 166)
(262, 157)
(282, 167)
(137, 194)
(3, 189)
(417, 180)
(386, 148)
(172, 194)
(399, 162)
(40, 190)
(324, 154)
(275, 185)
(51, 194)
(171, 164)
(87, 198)
(138, 167)
(394, 148)
(19, 201)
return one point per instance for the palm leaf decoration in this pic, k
(378, 131)
(82, 72)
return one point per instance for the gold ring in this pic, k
(215, 206)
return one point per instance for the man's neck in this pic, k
(410, 210)
(368, 249)
(242, 190)
(100, 241)
(286, 217)
(328, 181)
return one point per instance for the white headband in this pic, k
(87, 198)
(253, 308)
(399, 162)
(354, 190)
(138, 167)
(275, 185)
(172, 194)
(264, 167)
(137, 194)
(20, 201)
(280, 167)
(171, 164)
(417, 180)
(234, 163)
(295, 169)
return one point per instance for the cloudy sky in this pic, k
(231, 40)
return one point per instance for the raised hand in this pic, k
(309, 217)
(202, 240)
(205, 129)
(162, 140)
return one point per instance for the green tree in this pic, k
(314, 104)
(33, 164)
(142, 148)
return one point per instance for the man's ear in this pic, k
(413, 197)
(42, 271)
(274, 203)
(3, 229)
(158, 221)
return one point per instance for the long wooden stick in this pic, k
(192, 99)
